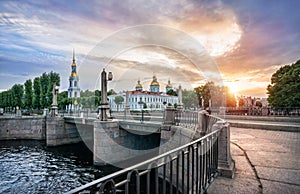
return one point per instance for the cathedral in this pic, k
(150, 100)
(73, 90)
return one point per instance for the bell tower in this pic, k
(73, 90)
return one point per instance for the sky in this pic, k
(238, 43)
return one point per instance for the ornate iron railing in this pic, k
(187, 119)
(187, 169)
(263, 111)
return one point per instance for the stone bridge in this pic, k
(176, 142)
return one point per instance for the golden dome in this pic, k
(73, 64)
(169, 85)
(74, 74)
(154, 83)
(139, 85)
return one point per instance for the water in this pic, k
(31, 167)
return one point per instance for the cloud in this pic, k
(247, 40)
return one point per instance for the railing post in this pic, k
(202, 121)
(226, 165)
(169, 116)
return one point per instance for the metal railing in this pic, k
(263, 111)
(187, 169)
(187, 119)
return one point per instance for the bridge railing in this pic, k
(196, 120)
(186, 118)
(187, 169)
(262, 111)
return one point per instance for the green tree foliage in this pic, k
(98, 93)
(204, 93)
(145, 106)
(62, 100)
(44, 80)
(37, 93)
(258, 103)
(86, 93)
(189, 99)
(28, 94)
(17, 93)
(111, 92)
(284, 90)
(47, 81)
(5, 100)
(37, 97)
(119, 100)
(172, 92)
(219, 95)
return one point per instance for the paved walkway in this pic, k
(266, 162)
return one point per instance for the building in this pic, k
(148, 100)
(73, 90)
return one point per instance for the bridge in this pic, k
(193, 149)
(271, 153)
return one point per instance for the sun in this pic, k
(233, 87)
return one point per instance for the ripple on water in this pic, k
(31, 167)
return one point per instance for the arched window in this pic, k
(75, 83)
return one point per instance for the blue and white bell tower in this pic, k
(73, 90)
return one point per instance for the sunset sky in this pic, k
(246, 40)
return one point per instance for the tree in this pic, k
(189, 99)
(37, 93)
(241, 101)
(17, 93)
(1, 100)
(175, 105)
(284, 90)
(218, 95)
(204, 93)
(98, 93)
(258, 103)
(111, 92)
(118, 101)
(62, 100)
(172, 92)
(86, 93)
(44, 80)
(28, 94)
(145, 106)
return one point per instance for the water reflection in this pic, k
(31, 167)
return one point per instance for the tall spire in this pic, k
(73, 56)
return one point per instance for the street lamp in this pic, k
(103, 103)
(141, 103)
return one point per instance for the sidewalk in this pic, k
(266, 162)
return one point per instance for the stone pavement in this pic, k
(266, 162)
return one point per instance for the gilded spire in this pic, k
(73, 56)
(73, 73)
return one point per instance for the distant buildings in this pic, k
(249, 101)
(148, 100)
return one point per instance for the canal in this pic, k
(28, 166)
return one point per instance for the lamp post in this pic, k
(103, 103)
(141, 103)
